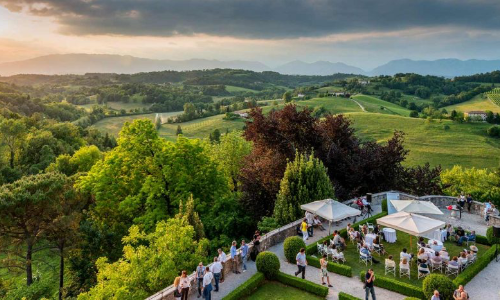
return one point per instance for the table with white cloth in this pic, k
(439, 245)
(369, 238)
(390, 235)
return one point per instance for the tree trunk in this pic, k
(61, 271)
(29, 270)
(12, 158)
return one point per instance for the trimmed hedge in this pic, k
(489, 237)
(344, 296)
(438, 282)
(482, 262)
(247, 288)
(332, 267)
(384, 205)
(292, 246)
(302, 284)
(396, 286)
(312, 248)
(480, 239)
(268, 263)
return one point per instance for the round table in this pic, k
(390, 235)
(369, 238)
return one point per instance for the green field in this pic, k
(236, 89)
(277, 291)
(462, 144)
(479, 102)
(331, 88)
(403, 241)
(118, 106)
(376, 105)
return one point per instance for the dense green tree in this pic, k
(482, 184)
(305, 180)
(186, 210)
(179, 130)
(215, 136)
(82, 161)
(150, 261)
(11, 133)
(287, 97)
(28, 208)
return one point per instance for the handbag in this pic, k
(177, 294)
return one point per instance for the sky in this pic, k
(362, 33)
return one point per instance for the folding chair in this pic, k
(436, 266)
(365, 259)
(404, 270)
(321, 250)
(370, 226)
(378, 248)
(451, 270)
(473, 242)
(391, 268)
(422, 272)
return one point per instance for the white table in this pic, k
(390, 235)
(439, 244)
(369, 238)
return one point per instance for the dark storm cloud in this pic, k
(259, 18)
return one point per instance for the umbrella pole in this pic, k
(329, 226)
(410, 243)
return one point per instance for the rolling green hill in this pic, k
(375, 105)
(479, 102)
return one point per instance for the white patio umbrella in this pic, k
(331, 210)
(412, 224)
(416, 207)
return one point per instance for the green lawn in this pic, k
(335, 105)
(233, 89)
(277, 291)
(376, 105)
(331, 88)
(476, 103)
(403, 241)
(462, 144)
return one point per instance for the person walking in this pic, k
(369, 279)
(324, 271)
(222, 260)
(200, 272)
(244, 254)
(184, 284)
(207, 284)
(303, 228)
(234, 257)
(216, 270)
(301, 263)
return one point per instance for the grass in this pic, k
(277, 291)
(403, 241)
(335, 105)
(331, 88)
(462, 144)
(376, 105)
(236, 89)
(479, 102)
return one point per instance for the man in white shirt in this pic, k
(216, 269)
(207, 284)
(404, 254)
(222, 260)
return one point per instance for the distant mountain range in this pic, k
(104, 63)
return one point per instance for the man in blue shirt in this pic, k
(244, 253)
(301, 263)
(234, 258)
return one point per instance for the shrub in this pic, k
(446, 127)
(411, 298)
(481, 239)
(489, 236)
(482, 262)
(438, 282)
(267, 224)
(302, 284)
(37, 290)
(493, 131)
(268, 263)
(384, 205)
(292, 246)
(246, 288)
(332, 267)
(396, 286)
(344, 296)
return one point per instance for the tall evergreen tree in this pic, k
(187, 212)
(305, 180)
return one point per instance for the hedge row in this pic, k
(302, 284)
(312, 249)
(344, 296)
(396, 286)
(332, 267)
(247, 288)
(464, 277)
(480, 239)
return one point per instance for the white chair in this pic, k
(370, 226)
(378, 249)
(452, 270)
(336, 257)
(321, 249)
(390, 268)
(462, 262)
(404, 270)
(358, 246)
(365, 259)
(422, 272)
(436, 266)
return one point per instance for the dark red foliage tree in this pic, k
(422, 180)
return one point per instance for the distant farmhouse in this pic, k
(365, 82)
(301, 95)
(243, 115)
(476, 115)
(339, 94)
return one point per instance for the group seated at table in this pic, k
(332, 251)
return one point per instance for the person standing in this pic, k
(324, 271)
(184, 284)
(222, 260)
(177, 286)
(310, 223)
(244, 254)
(303, 228)
(369, 279)
(301, 263)
(469, 202)
(200, 272)
(216, 270)
(234, 257)
(207, 284)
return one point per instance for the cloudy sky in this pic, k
(363, 33)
